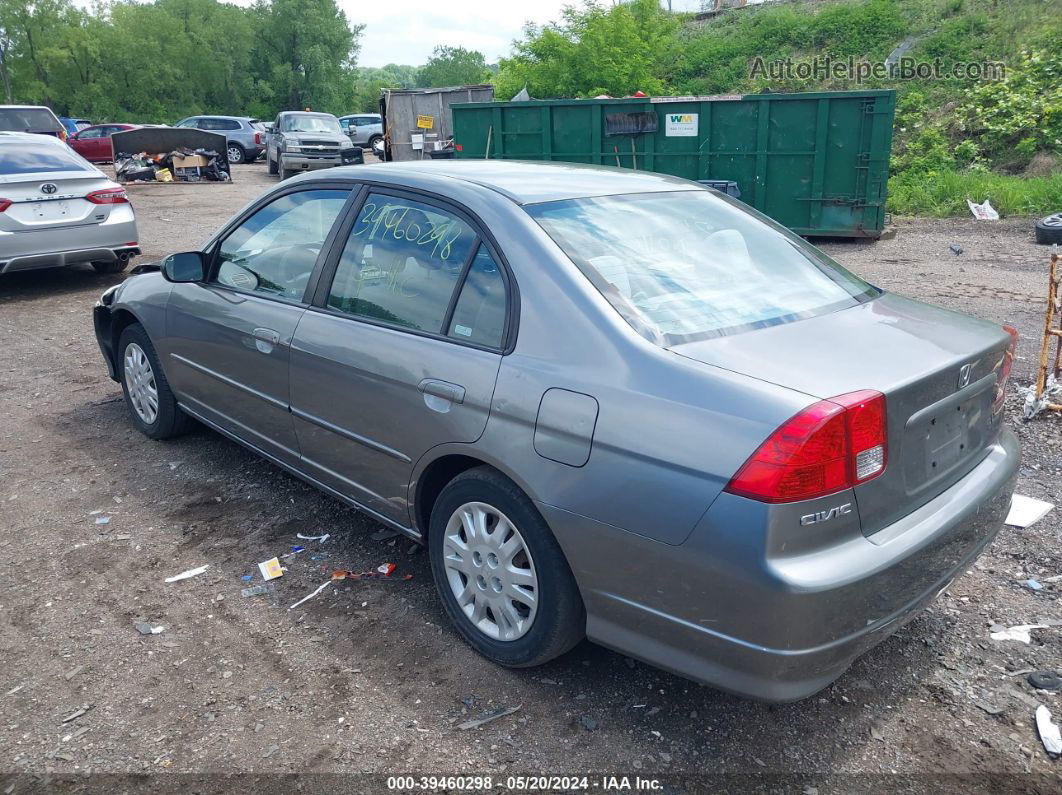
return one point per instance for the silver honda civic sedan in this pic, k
(613, 405)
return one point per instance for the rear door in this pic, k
(227, 343)
(401, 349)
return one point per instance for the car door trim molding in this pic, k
(230, 382)
(354, 437)
(303, 475)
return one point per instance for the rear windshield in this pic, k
(25, 158)
(688, 265)
(28, 120)
(256, 125)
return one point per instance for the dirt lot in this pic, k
(369, 676)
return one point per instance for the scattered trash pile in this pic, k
(181, 165)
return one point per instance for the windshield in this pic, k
(310, 124)
(28, 120)
(25, 158)
(686, 265)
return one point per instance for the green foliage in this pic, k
(592, 50)
(369, 81)
(943, 193)
(453, 66)
(159, 61)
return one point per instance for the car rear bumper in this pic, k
(50, 248)
(58, 259)
(720, 610)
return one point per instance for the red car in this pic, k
(94, 143)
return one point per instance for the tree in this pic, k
(305, 51)
(593, 50)
(453, 66)
(369, 81)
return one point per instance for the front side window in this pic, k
(89, 134)
(686, 265)
(401, 263)
(274, 251)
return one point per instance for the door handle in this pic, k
(443, 389)
(267, 335)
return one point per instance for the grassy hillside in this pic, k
(954, 137)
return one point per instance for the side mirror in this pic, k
(268, 127)
(188, 266)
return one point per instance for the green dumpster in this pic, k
(816, 162)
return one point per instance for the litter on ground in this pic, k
(308, 597)
(184, 575)
(1020, 632)
(1026, 511)
(501, 712)
(271, 569)
(1049, 733)
(984, 211)
(320, 539)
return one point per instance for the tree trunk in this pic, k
(4, 75)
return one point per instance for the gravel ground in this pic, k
(369, 677)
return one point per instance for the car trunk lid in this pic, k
(937, 369)
(51, 200)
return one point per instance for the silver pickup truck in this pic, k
(304, 141)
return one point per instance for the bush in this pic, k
(943, 193)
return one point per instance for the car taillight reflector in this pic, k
(829, 446)
(4, 204)
(1005, 366)
(258, 139)
(107, 196)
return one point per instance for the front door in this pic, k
(400, 351)
(228, 339)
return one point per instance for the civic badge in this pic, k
(964, 375)
(49, 188)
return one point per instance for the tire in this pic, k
(287, 173)
(272, 165)
(117, 266)
(522, 635)
(235, 154)
(1049, 229)
(372, 142)
(168, 420)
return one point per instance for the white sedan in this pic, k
(58, 209)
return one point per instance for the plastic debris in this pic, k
(373, 574)
(184, 575)
(308, 597)
(247, 577)
(1034, 405)
(320, 539)
(501, 712)
(271, 569)
(1049, 733)
(1045, 680)
(1033, 585)
(984, 211)
(295, 550)
(257, 590)
(1026, 511)
(956, 249)
(144, 628)
(103, 520)
(1020, 632)
(386, 569)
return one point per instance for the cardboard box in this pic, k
(189, 161)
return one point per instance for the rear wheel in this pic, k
(148, 397)
(374, 141)
(500, 573)
(235, 154)
(115, 266)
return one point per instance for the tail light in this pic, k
(258, 139)
(4, 204)
(829, 446)
(108, 196)
(1005, 366)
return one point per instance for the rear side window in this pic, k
(25, 158)
(28, 120)
(401, 264)
(479, 315)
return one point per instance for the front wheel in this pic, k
(151, 404)
(500, 573)
(273, 169)
(235, 154)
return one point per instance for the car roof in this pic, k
(524, 182)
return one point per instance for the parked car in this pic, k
(364, 129)
(74, 125)
(31, 119)
(245, 136)
(58, 209)
(305, 141)
(611, 403)
(94, 143)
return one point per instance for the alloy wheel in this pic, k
(490, 571)
(235, 154)
(140, 383)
